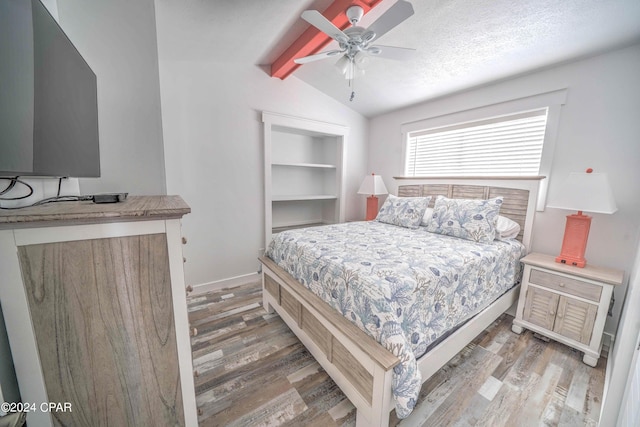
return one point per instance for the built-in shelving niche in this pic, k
(304, 162)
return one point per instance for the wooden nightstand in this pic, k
(565, 303)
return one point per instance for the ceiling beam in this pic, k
(313, 40)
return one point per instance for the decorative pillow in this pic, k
(403, 211)
(506, 228)
(467, 219)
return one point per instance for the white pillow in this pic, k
(428, 214)
(506, 228)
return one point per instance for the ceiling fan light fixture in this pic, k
(342, 64)
(352, 70)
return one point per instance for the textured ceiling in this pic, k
(460, 43)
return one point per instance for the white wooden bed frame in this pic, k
(358, 364)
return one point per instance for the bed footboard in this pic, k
(360, 366)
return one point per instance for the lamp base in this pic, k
(372, 208)
(574, 243)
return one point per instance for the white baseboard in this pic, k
(607, 344)
(231, 282)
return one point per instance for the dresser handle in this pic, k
(552, 312)
(561, 285)
(184, 240)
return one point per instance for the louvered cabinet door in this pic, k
(540, 307)
(575, 319)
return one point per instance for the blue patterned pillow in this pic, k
(468, 219)
(403, 211)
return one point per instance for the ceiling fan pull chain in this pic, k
(352, 83)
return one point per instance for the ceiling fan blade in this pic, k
(316, 19)
(392, 17)
(317, 56)
(392, 52)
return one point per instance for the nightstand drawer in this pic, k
(565, 284)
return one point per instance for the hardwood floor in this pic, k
(252, 371)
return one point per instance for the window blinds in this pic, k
(500, 146)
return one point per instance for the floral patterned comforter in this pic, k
(403, 287)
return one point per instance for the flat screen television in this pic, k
(48, 97)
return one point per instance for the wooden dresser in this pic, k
(95, 309)
(565, 303)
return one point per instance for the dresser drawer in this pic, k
(571, 286)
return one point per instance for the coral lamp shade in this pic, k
(373, 185)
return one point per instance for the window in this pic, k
(508, 145)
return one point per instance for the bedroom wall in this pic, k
(214, 155)
(599, 128)
(117, 38)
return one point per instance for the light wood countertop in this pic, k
(135, 208)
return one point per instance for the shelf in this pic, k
(290, 198)
(304, 161)
(305, 165)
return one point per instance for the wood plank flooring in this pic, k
(252, 371)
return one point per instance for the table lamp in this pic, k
(372, 185)
(582, 191)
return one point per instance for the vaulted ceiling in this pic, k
(460, 43)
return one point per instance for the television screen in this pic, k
(48, 97)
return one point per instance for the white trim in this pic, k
(22, 339)
(553, 100)
(608, 340)
(623, 350)
(181, 319)
(230, 282)
(329, 129)
(307, 127)
(70, 233)
(557, 97)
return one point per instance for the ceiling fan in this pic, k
(355, 42)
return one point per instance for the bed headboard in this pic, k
(519, 195)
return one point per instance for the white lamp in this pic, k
(582, 191)
(372, 185)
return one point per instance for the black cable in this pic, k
(52, 200)
(58, 198)
(12, 184)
